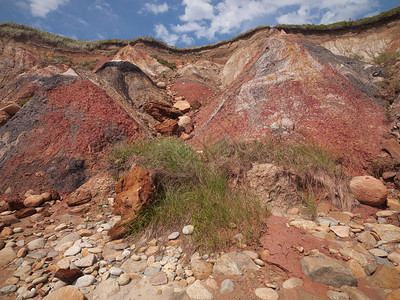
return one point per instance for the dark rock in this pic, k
(15, 204)
(2, 244)
(4, 117)
(328, 271)
(25, 212)
(54, 195)
(67, 275)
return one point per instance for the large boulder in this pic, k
(328, 271)
(33, 200)
(234, 263)
(386, 277)
(134, 190)
(368, 190)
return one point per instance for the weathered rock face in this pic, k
(290, 91)
(50, 141)
(369, 190)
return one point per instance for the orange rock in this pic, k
(168, 127)
(264, 254)
(368, 190)
(133, 191)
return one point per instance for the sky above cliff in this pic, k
(181, 23)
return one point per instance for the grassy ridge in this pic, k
(343, 25)
(26, 33)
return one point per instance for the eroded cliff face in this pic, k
(268, 83)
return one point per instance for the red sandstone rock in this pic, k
(79, 197)
(168, 127)
(368, 190)
(25, 212)
(161, 111)
(4, 117)
(134, 190)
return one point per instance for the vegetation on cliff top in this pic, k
(395, 12)
(26, 33)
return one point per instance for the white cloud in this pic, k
(156, 8)
(40, 8)
(187, 40)
(207, 18)
(103, 7)
(197, 10)
(163, 34)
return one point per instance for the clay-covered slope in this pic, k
(57, 139)
(299, 90)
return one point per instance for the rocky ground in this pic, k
(339, 255)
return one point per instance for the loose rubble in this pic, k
(56, 257)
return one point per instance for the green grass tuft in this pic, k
(120, 158)
(191, 190)
(385, 57)
(165, 62)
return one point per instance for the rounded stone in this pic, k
(124, 279)
(173, 236)
(368, 190)
(266, 294)
(188, 229)
(85, 281)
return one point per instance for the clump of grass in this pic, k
(357, 56)
(165, 62)
(385, 57)
(191, 190)
(57, 59)
(88, 64)
(113, 52)
(119, 158)
(25, 101)
(309, 200)
(304, 158)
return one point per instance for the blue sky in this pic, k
(181, 23)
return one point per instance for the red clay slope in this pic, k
(288, 91)
(59, 137)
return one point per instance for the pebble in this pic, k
(173, 236)
(36, 244)
(60, 227)
(124, 279)
(18, 230)
(84, 281)
(74, 250)
(266, 294)
(259, 262)
(188, 229)
(292, 283)
(87, 261)
(227, 286)
(115, 271)
(8, 289)
(378, 252)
